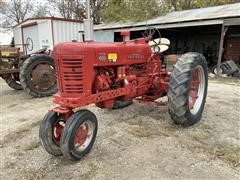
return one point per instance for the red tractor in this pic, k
(111, 75)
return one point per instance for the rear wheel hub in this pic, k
(196, 92)
(43, 76)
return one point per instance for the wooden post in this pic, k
(223, 33)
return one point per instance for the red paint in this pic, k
(81, 135)
(57, 130)
(194, 87)
(101, 73)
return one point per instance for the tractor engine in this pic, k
(103, 73)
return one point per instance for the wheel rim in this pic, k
(57, 130)
(197, 89)
(220, 70)
(43, 76)
(84, 135)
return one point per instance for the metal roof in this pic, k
(30, 20)
(193, 17)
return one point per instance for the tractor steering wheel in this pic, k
(150, 32)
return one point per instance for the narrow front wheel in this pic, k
(79, 134)
(50, 132)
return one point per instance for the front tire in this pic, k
(50, 132)
(79, 134)
(188, 89)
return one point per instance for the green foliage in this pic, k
(115, 10)
(190, 4)
(138, 10)
(130, 10)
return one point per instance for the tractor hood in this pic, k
(83, 48)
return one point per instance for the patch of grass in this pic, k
(31, 145)
(10, 165)
(94, 171)
(228, 152)
(140, 131)
(22, 120)
(162, 133)
(12, 105)
(200, 136)
(33, 174)
(18, 133)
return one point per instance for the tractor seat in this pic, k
(163, 43)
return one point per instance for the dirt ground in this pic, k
(138, 142)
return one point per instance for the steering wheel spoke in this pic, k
(150, 32)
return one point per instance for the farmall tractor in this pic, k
(111, 75)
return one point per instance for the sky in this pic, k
(5, 38)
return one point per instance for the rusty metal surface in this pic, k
(9, 52)
(43, 76)
(9, 65)
(8, 71)
(232, 49)
(193, 15)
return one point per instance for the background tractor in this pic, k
(35, 73)
(111, 75)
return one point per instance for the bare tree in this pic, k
(66, 8)
(41, 10)
(97, 6)
(77, 8)
(14, 12)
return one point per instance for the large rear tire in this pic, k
(37, 76)
(188, 89)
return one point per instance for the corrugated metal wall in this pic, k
(17, 34)
(45, 34)
(62, 31)
(66, 31)
(31, 39)
(104, 36)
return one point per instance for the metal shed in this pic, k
(36, 33)
(197, 29)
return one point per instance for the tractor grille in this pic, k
(72, 76)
